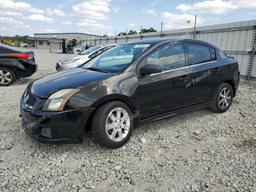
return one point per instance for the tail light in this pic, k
(22, 56)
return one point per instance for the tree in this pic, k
(150, 30)
(122, 34)
(72, 43)
(132, 32)
(16, 40)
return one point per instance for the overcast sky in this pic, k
(26, 17)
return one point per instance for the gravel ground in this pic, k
(198, 151)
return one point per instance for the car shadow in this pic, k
(23, 81)
(188, 116)
(90, 145)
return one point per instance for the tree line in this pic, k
(133, 32)
(16, 40)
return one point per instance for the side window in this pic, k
(168, 57)
(200, 53)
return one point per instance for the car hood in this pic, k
(73, 78)
(75, 56)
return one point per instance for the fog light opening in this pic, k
(46, 132)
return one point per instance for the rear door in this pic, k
(162, 92)
(205, 73)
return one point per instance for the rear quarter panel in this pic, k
(231, 72)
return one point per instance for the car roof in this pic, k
(148, 41)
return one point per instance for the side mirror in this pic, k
(150, 69)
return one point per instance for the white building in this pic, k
(54, 41)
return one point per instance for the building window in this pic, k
(41, 42)
(48, 43)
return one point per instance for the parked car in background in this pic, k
(130, 84)
(15, 64)
(82, 57)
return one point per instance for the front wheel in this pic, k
(112, 124)
(223, 98)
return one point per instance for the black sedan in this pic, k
(15, 64)
(130, 84)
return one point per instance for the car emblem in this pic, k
(26, 97)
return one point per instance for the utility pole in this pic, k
(140, 32)
(126, 35)
(115, 36)
(194, 32)
(162, 25)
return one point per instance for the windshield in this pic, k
(117, 58)
(90, 50)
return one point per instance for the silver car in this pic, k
(82, 57)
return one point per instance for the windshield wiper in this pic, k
(96, 69)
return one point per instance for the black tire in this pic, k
(217, 105)
(102, 117)
(11, 76)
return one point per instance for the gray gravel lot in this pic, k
(198, 151)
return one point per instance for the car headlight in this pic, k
(58, 100)
(70, 61)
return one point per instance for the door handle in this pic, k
(183, 77)
(216, 69)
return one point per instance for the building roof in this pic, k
(154, 41)
(149, 41)
(75, 33)
(45, 38)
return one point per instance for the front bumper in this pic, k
(56, 127)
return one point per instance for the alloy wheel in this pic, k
(225, 98)
(5, 77)
(117, 124)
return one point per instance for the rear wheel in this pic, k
(7, 76)
(112, 124)
(223, 98)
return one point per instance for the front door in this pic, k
(204, 74)
(162, 92)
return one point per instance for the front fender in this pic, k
(119, 87)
